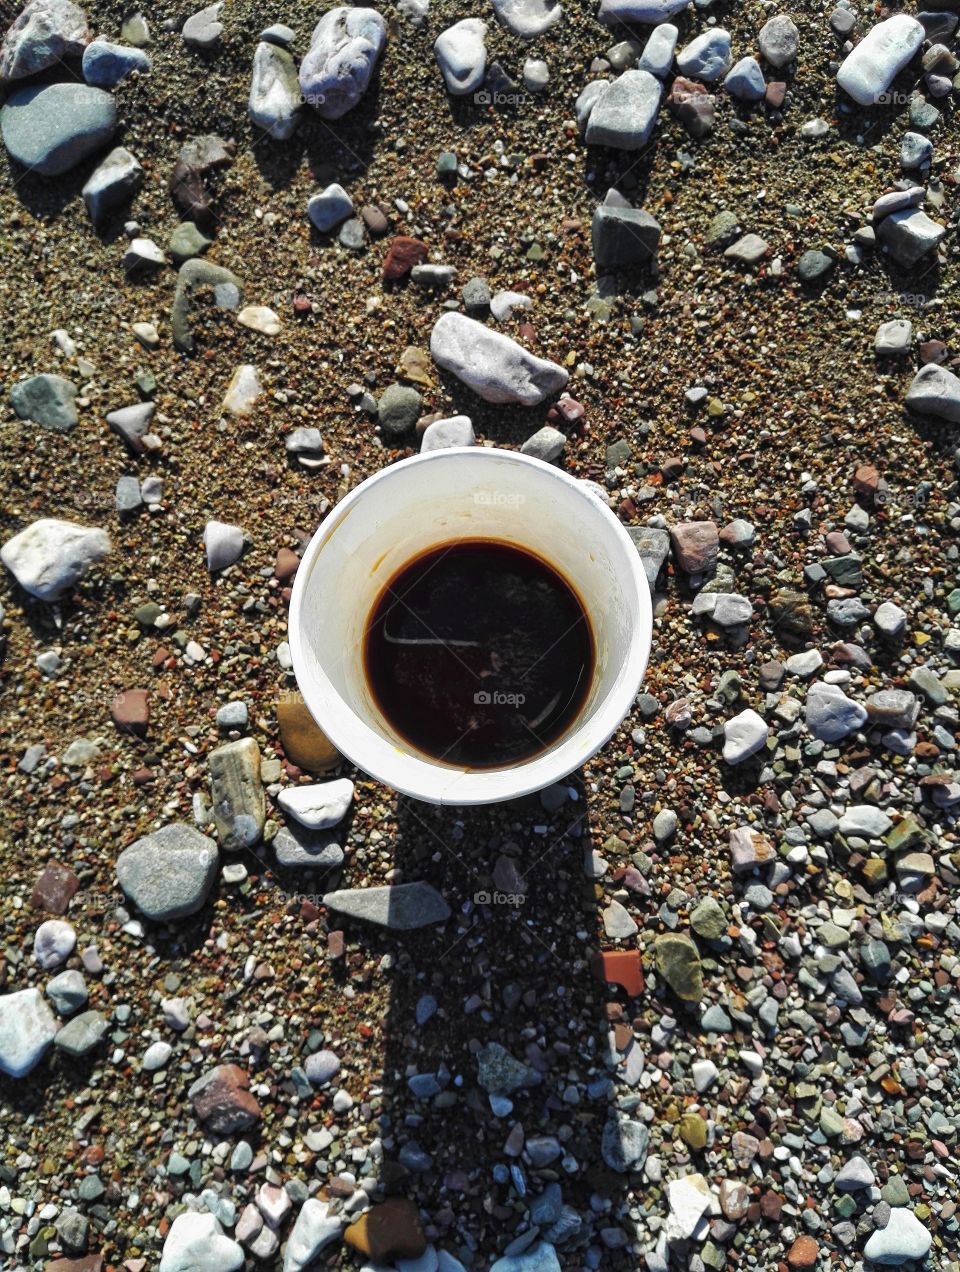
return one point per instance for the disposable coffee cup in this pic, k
(464, 493)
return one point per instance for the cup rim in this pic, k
(337, 713)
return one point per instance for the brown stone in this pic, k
(837, 543)
(304, 743)
(771, 1204)
(222, 1101)
(619, 967)
(734, 1199)
(286, 564)
(54, 888)
(130, 711)
(866, 479)
(374, 220)
(692, 105)
(932, 351)
(89, 1263)
(391, 1230)
(695, 546)
(404, 253)
(803, 1253)
(776, 92)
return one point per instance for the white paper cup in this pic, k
(424, 502)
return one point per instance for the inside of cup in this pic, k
(415, 506)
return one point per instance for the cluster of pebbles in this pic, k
(697, 1006)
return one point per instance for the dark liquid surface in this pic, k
(479, 654)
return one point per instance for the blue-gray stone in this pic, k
(106, 64)
(50, 128)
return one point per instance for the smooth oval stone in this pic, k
(51, 128)
(344, 49)
(884, 51)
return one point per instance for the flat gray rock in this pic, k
(491, 364)
(903, 1238)
(82, 1034)
(168, 873)
(624, 113)
(935, 391)
(51, 556)
(106, 64)
(50, 128)
(707, 56)
(47, 400)
(344, 49)
(27, 1028)
(236, 794)
(830, 714)
(869, 69)
(909, 235)
(45, 32)
(114, 181)
(653, 544)
(623, 1144)
(623, 238)
(274, 103)
(401, 907)
(528, 18)
(298, 848)
(648, 12)
(442, 434)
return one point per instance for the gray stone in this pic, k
(653, 544)
(442, 434)
(707, 56)
(327, 209)
(320, 806)
(462, 56)
(47, 400)
(67, 992)
(893, 708)
(814, 265)
(82, 1033)
(623, 115)
(186, 242)
(338, 67)
(223, 545)
(401, 906)
(779, 40)
(500, 1073)
(890, 620)
(193, 275)
(274, 102)
(830, 714)
(203, 30)
(236, 794)
(322, 1067)
(854, 1175)
(106, 64)
(168, 873)
(935, 391)
(298, 848)
(50, 128)
(45, 33)
(546, 443)
(748, 250)
(903, 1238)
(398, 410)
(232, 715)
(865, 821)
(27, 1028)
(726, 609)
(491, 364)
(745, 81)
(50, 556)
(128, 497)
(869, 69)
(539, 1258)
(894, 337)
(528, 18)
(909, 235)
(196, 1241)
(916, 152)
(624, 238)
(657, 55)
(624, 1143)
(114, 181)
(649, 12)
(132, 422)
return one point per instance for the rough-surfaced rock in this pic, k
(47, 400)
(869, 69)
(344, 49)
(315, 1229)
(401, 906)
(27, 1028)
(707, 56)
(539, 1258)
(779, 40)
(45, 32)
(51, 556)
(909, 234)
(320, 806)
(114, 181)
(462, 56)
(169, 873)
(528, 18)
(442, 434)
(623, 238)
(744, 736)
(648, 12)
(50, 128)
(388, 1231)
(491, 364)
(935, 391)
(678, 962)
(274, 91)
(223, 1102)
(624, 1143)
(904, 1237)
(236, 793)
(830, 714)
(624, 113)
(196, 1241)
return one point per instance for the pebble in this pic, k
(779, 40)
(105, 64)
(745, 81)
(168, 873)
(545, 444)
(223, 544)
(903, 1238)
(830, 714)
(52, 128)
(868, 71)
(327, 209)
(491, 364)
(203, 30)
(51, 556)
(461, 53)
(113, 183)
(156, 1056)
(743, 736)
(196, 1240)
(707, 56)
(536, 75)
(47, 400)
(44, 34)
(318, 807)
(236, 794)
(53, 943)
(443, 434)
(893, 338)
(648, 12)
(274, 102)
(27, 1028)
(623, 238)
(67, 992)
(528, 18)
(339, 64)
(657, 55)
(909, 235)
(315, 1229)
(82, 1034)
(623, 114)
(401, 907)
(916, 151)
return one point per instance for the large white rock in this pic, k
(339, 65)
(690, 1199)
(903, 1238)
(649, 12)
(528, 18)
(462, 56)
(46, 32)
(196, 1241)
(625, 112)
(318, 807)
(743, 736)
(223, 544)
(27, 1028)
(657, 55)
(314, 1230)
(707, 56)
(868, 71)
(494, 366)
(935, 391)
(51, 556)
(274, 92)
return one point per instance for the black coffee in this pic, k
(479, 654)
